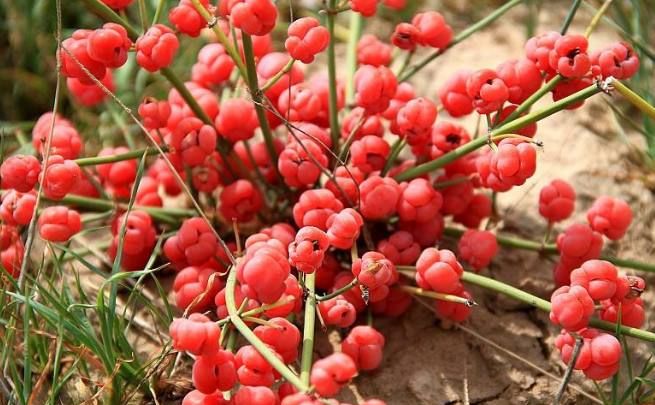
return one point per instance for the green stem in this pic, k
(438, 296)
(110, 15)
(158, 11)
(634, 99)
(396, 148)
(186, 95)
(339, 291)
(258, 98)
(569, 16)
(356, 25)
(308, 330)
(507, 128)
(271, 82)
(460, 37)
(529, 102)
(99, 160)
(143, 15)
(332, 77)
(249, 335)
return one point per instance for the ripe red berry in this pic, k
(214, 66)
(538, 49)
(260, 157)
(117, 4)
(511, 165)
(522, 78)
(556, 201)
(569, 56)
(630, 313)
(598, 277)
(299, 103)
(139, 239)
(192, 282)
(477, 248)
(447, 136)
(453, 94)
(301, 131)
(156, 48)
(396, 303)
(186, 18)
(255, 396)
(66, 141)
(379, 197)
(60, 177)
(364, 346)
(193, 141)
(282, 232)
(237, 120)
(610, 216)
(301, 163)
(307, 251)
(252, 368)
(74, 55)
(374, 88)
(606, 355)
(194, 244)
(264, 272)
(154, 113)
(337, 311)
(487, 90)
(109, 45)
(425, 233)
(196, 397)
(314, 207)
(579, 243)
(373, 270)
(270, 65)
(281, 335)
(20, 172)
(11, 258)
(161, 172)
(196, 334)
(306, 38)
(433, 29)
(331, 373)
(477, 209)
(239, 298)
(405, 36)
(343, 228)
(415, 120)
(240, 201)
(372, 51)
(214, 371)
(369, 153)
(345, 184)
(17, 208)
(254, 17)
(118, 176)
(59, 223)
(418, 201)
(358, 125)
(568, 87)
(571, 307)
(438, 270)
(90, 95)
(454, 311)
(400, 248)
(366, 8)
(618, 60)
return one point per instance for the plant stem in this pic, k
(396, 148)
(569, 370)
(100, 8)
(250, 336)
(99, 160)
(596, 18)
(338, 292)
(143, 15)
(529, 102)
(438, 296)
(356, 24)
(186, 95)
(634, 99)
(460, 37)
(569, 16)
(332, 77)
(308, 329)
(158, 11)
(258, 98)
(277, 76)
(507, 128)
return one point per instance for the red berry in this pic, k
(571, 307)
(568, 87)
(59, 223)
(447, 136)
(337, 311)
(569, 56)
(264, 271)
(118, 175)
(299, 103)
(343, 228)
(239, 298)
(453, 94)
(556, 201)
(193, 282)
(418, 201)
(326, 274)
(196, 334)
(364, 345)
(606, 355)
(454, 311)
(20, 172)
(214, 371)
(255, 396)
(196, 397)
(456, 197)
(438, 270)
(374, 88)
(331, 373)
(405, 36)
(301, 163)
(415, 120)
(631, 313)
(282, 232)
(396, 303)
(11, 258)
(345, 184)
(156, 48)
(373, 270)
(109, 45)
(314, 207)
(598, 277)
(511, 165)
(252, 368)
(240, 201)
(117, 4)
(379, 197)
(369, 153)
(301, 131)
(17, 208)
(194, 243)
(237, 120)
(425, 233)
(477, 209)
(281, 335)
(214, 66)
(522, 78)
(90, 95)
(610, 216)
(400, 248)
(372, 51)
(618, 60)
(253, 17)
(193, 141)
(60, 177)
(306, 38)
(433, 29)
(154, 113)
(260, 157)
(487, 90)
(307, 251)
(66, 141)
(538, 49)
(320, 85)
(477, 248)
(359, 125)
(292, 297)
(74, 55)
(366, 8)
(579, 243)
(528, 130)
(139, 239)
(270, 65)
(186, 18)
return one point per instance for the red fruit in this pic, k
(400, 248)
(298, 399)
(264, 272)
(631, 313)
(20, 172)
(281, 335)
(299, 103)
(538, 49)
(118, 175)
(307, 251)
(425, 233)
(447, 136)
(252, 368)
(396, 303)
(331, 373)
(453, 94)
(374, 88)
(11, 258)
(628, 288)
(109, 45)
(372, 51)
(453, 311)
(260, 157)
(214, 371)
(433, 30)
(60, 177)
(438, 270)
(117, 4)
(90, 95)
(364, 345)
(487, 90)
(522, 78)
(511, 165)
(270, 65)
(477, 209)
(240, 201)
(196, 334)
(373, 270)
(255, 396)
(139, 239)
(239, 298)
(571, 307)
(358, 125)
(156, 48)
(282, 232)
(569, 56)
(17, 208)
(477, 248)
(337, 311)
(379, 197)
(618, 60)
(161, 172)
(528, 130)
(292, 297)
(405, 36)
(194, 141)
(314, 207)
(556, 201)
(456, 197)
(207, 100)
(194, 243)
(214, 66)
(306, 38)
(74, 55)
(568, 87)
(320, 85)
(253, 17)
(237, 120)
(606, 355)
(186, 18)
(304, 131)
(610, 216)
(196, 397)
(366, 8)
(579, 243)
(326, 274)
(154, 113)
(193, 282)
(369, 153)
(345, 184)
(598, 277)
(59, 223)
(65, 140)
(415, 119)
(418, 201)
(343, 228)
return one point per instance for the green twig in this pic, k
(332, 77)
(308, 329)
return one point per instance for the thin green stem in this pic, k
(596, 18)
(396, 148)
(250, 336)
(339, 291)
(158, 11)
(308, 329)
(569, 16)
(101, 9)
(438, 296)
(98, 160)
(276, 78)
(530, 101)
(634, 98)
(355, 32)
(186, 95)
(332, 77)
(143, 15)
(460, 37)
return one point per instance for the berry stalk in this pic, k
(634, 98)
(332, 77)
(98, 160)
(308, 329)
